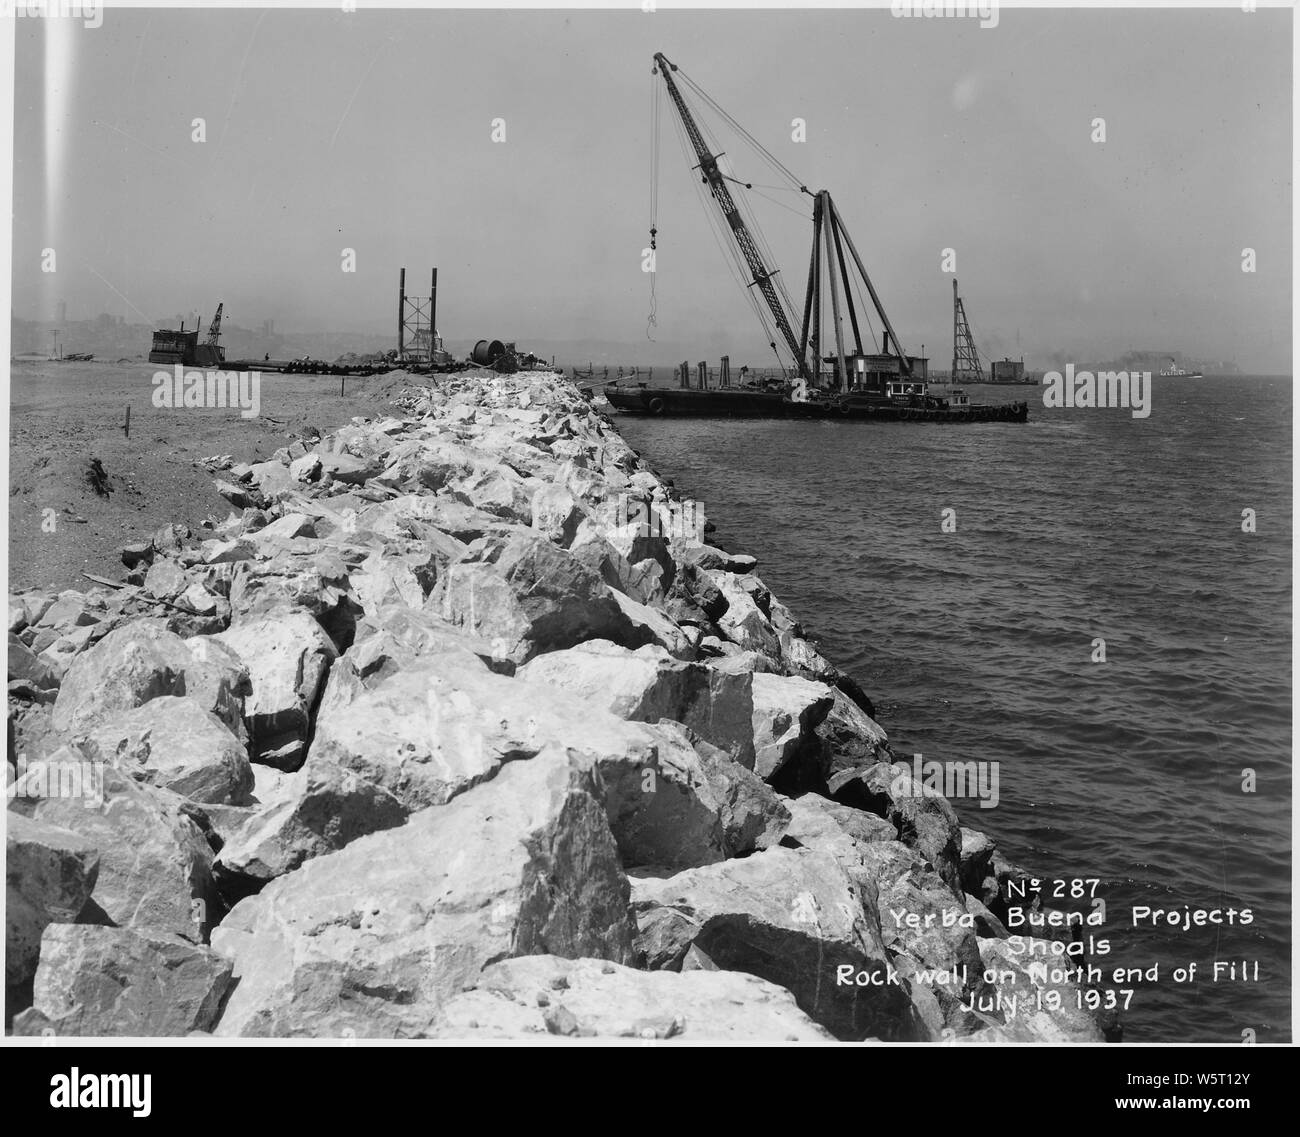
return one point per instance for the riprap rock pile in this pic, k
(454, 730)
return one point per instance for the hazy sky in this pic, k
(373, 131)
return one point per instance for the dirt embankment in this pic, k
(63, 415)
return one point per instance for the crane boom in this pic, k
(762, 277)
(214, 328)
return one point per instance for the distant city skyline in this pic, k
(95, 334)
(325, 131)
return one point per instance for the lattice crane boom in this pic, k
(214, 328)
(966, 366)
(713, 176)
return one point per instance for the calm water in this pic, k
(978, 644)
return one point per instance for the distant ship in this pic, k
(1176, 372)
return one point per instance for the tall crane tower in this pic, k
(966, 367)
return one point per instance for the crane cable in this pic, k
(745, 210)
(772, 160)
(746, 213)
(866, 311)
(735, 260)
(731, 254)
(727, 249)
(652, 320)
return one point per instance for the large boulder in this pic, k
(316, 582)
(323, 809)
(977, 853)
(923, 818)
(29, 669)
(339, 466)
(637, 542)
(743, 622)
(442, 523)
(648, 684)
(393, 577)
(753, 815)
(1028, 982)
(826, 826)
(649, 624)
(430, 732)
(279, 535)
(536, 996)
(556, 514)
(394, 636)
(141, 661)
(375, 939)
(787, 915)
(851, 739)
(709, 557)
(155, 865)
(49, 875)
(928, 930)
(590, 545)
(533, 596)
(174, 743)
(288, 655)
(431, 463)
(498, 491)
(787, 711)
(100, 981)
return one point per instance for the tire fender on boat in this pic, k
(656, 405)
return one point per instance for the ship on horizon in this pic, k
(1173, 371)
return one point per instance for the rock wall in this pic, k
(428, 739)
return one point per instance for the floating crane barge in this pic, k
(886, 386)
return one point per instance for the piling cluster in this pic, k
(453, 729)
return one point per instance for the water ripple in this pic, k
(1078, 527)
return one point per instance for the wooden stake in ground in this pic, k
(127, 427)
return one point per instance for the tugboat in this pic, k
(886, 385)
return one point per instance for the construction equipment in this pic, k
(184, 348)
(858, 369)
(966, 367)
(214, 331)
(885, 385)
(418, 342)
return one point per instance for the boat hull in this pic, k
(686, 402)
